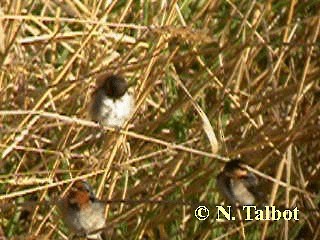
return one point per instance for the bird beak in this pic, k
(251, 178)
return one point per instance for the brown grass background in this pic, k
(213, 80)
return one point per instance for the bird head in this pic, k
(80, 195)
(114, 86)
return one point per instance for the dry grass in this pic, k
(213, 80)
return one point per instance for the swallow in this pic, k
(82, 212)
(237, 184)
(111, 103)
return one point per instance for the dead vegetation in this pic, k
(213, 80)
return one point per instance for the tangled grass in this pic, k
(213, 80)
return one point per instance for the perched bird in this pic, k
(238, 185)
(82, 211)
(111, 103)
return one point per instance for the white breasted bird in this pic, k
(111, 103)
(82, 211)
(237, 184)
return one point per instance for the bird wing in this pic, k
(224, 185)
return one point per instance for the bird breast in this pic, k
(112, 112)
(92, 218)
(241, 193)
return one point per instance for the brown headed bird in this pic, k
(111, 103)
(237, 184)
(82, 211)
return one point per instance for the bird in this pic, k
(111, 103)
(237, 184)
(82, 212)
